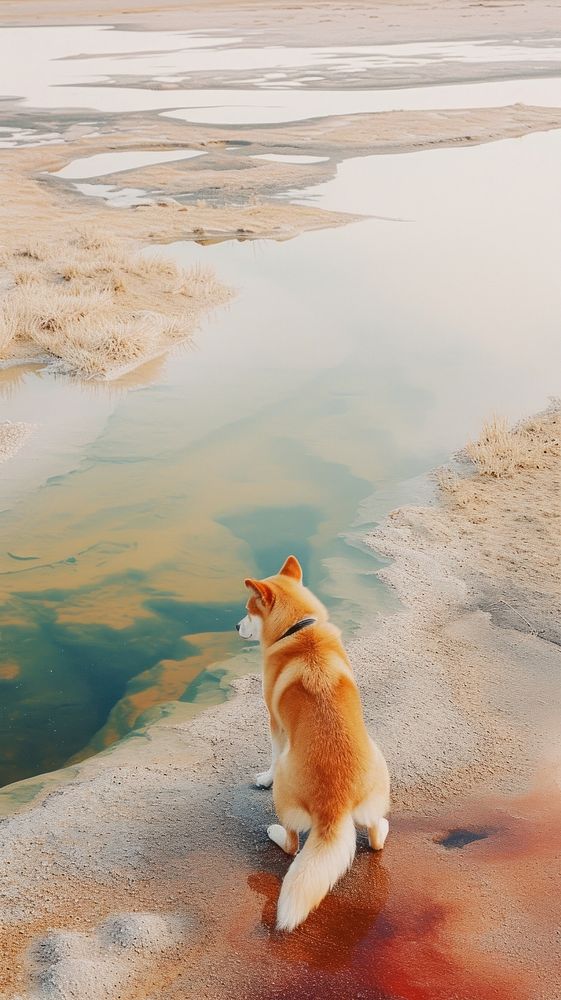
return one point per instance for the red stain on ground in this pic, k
(422, 921)
(373, 943)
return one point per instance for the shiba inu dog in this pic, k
(326, 772)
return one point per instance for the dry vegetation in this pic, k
(86, 305)
(502, 451)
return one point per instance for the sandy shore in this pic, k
(461, 690)
(234, 183)
(229, 191)
(481, 576)
(310, 21)
(234, 174)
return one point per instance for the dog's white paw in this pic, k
(277, 834)
(378, 833)
(265, 779)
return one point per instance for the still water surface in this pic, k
(114, 71)
(350, 363)
(35, 62)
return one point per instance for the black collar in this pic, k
(303, 623)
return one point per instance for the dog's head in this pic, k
(277, 603)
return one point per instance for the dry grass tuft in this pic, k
(500, 450)
(88, 307)
(25, 275)
(34, 250)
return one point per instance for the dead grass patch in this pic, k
(86, 306)
(501, 452)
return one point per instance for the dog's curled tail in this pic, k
(323, 859)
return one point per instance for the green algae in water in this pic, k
(69, 677)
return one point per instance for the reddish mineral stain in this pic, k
(422, 921)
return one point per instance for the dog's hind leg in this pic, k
(373, 809)
(377, 833)
(294, 819)
(371, 814)
(368, 814)
(287, 840)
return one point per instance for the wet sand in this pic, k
(461, 690)
(234, 173)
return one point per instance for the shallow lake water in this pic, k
(263, 106)
(109, 163)
(115, 71)
(36, 60)
(351, 362)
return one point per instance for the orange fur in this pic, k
(327, 772)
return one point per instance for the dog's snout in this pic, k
(248, 628)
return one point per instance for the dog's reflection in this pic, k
(345, 923)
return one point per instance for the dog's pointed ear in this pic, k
(292, 568)
(262, 591)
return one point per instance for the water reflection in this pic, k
(111, 163)
(40, 66)
(352, 361)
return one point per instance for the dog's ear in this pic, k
(262, 591)
(292, 568)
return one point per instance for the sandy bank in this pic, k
(461, 690)
(234, 163)
(312, 21)
(234, 175)
(161, 220)
(480, 576)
